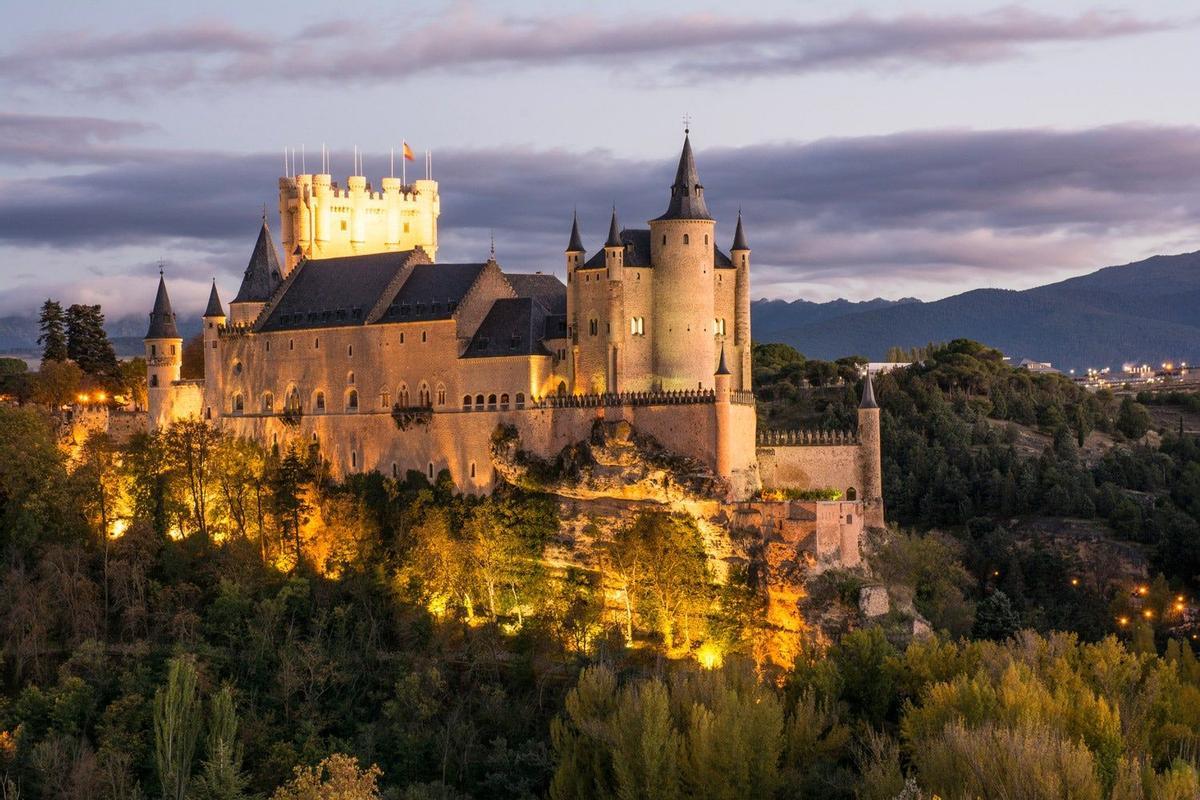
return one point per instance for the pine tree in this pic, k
(995, 617)
(221, 775)
(53, 338)
(88, 344)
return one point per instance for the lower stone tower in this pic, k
(164, 357)
(870, 447)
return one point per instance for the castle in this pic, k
(360, 343)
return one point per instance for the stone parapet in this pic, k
(806, 438)
(612, 399)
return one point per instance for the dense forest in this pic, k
(189, 616)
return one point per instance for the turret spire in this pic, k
(687, 193)
(576, 243)
(868, 393)
(263, 273)
(214, 308)
(739, 236)
(722, 369)
(614, 232)
(162, 318)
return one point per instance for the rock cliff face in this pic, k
(603, 483)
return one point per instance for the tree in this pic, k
(176, 727)
(288, 482)
(88, 344)
(337, 777)
(1133, 419)
(133, 381)
(53, 338)
(192, 358)
(57, 383)
(189, 446)
(221, 775)
(995, 618)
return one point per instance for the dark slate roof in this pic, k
(329, 292)
(614, 235)
(720, 260)
(739, 236)
(687, 193)
(576, 243)
(722, 369)
(514, 326)
(868, 395)
(432, 291)
(214, 308)
(162, 318)
(546, 289)
(637, 250)
(263, 273)
(556, 326)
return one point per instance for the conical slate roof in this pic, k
(263, 273)
(214, 308)
(868, 395)
(576, 243)
(687, 194)
(722, 369)
(739, 236)
(614, 232)
(162, 318)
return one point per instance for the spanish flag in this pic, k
(408, 153)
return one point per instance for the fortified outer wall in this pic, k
(180, 400)
(461, 441)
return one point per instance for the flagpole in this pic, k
(403, 163)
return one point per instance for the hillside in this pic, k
(1145, 311)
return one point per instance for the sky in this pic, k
(876, 149)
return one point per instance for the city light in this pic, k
(709, 656)
(1147, 613)
(1074, 581)
(1122, 620)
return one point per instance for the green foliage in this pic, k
(1133, 419)
(176, 728)
(53, 337)
(88, 345)
(995, 617)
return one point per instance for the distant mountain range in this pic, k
(1148, 311)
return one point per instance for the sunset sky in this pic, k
(875, 150)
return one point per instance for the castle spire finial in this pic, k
(739, 235)
(723, 368)
(614, 231)
(575, 245)
(868, 393)
(687, 123)
(493, 249)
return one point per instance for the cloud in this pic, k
(686, 48)
(37, 138)
(927, 212)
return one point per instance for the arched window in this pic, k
(466, 402)
(441, 395)
(520, 400)
(239, 405)
(430, 470)
(352, 400)
(291, 344)
(423, 336)
(491, 402)
(851, 493)
(153, 351)
(562, 389)
(593, 327)
(237, 368)
(153, 381)
(349, 350)
(479, 401)
(268, 345)
(402, 337)
(425, 399)
(350, 378)
(503, 407)
(706, 239)
(385, 399)
(319, 402)
(268, 403)
(292, 401)
(353, 459)
(472, 469)
(316, 344)
(402, 395)
(664, 240)
(685, 238)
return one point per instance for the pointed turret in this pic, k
(576, 243)
(739, 236)
(687, 193)
(263, 272)
(162, 318)
(214, 308)
(722, 368)
(614, 232)
(868, 393)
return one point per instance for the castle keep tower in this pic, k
(681, 249)
(164, 356)
(739, 254)
(321, 220)
(869, 441)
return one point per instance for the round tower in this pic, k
(870, 459)
(739, 254)
(614, 265)
(681, 250)
(575, 258)
(164, 356)
(214, 320)
(722, 387)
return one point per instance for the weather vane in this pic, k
(687, 124)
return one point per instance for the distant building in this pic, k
(1037, 366)
(880, 367)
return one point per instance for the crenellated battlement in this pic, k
(814, 437)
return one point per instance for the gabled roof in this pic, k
(331, 292)
(514, 326)
(687, 193)
(432, 291)
(263, 273)
(214, 308)
(546, 289)
(162, 318)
